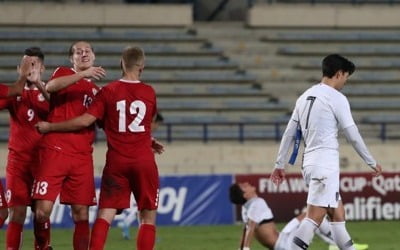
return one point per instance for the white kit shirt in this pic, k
(257, 210)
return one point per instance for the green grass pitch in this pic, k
(380, 235)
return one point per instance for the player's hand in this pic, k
(43, 127)
(25, 67)
(157, 146)
(35, 74)
(94, 72)
(377, 170)
(278, 176)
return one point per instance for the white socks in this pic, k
(304, 234)
(325, 233)
(341, 236)
(291, 225)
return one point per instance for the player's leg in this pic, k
(145, 186)
(41, 222)
(338, 227)
(324, 232)
(3, 206)
(15, 227)
(80, 216)
(147, 230)
(49, 177)
(78, 190)
(19, 186)
(305, 232)
(100, 228)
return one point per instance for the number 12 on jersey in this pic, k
(137, 108)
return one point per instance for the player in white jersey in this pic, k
(320, 113)
(259, 221)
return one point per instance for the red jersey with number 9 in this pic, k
(68, 103)
(25, 111)
(126, 109)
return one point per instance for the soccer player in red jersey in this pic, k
(66, 164)
(25, 68)
(26, 109)
(126, 107)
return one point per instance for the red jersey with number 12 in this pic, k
(126, 109)
(68, 103)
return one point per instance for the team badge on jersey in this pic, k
(94, 91)
(41, 98)
(19, 98)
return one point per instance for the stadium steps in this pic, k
(333, 36)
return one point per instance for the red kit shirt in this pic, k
(126, 109)
(25, 111)
(3, 90)
(66, 104)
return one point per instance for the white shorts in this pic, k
(323, 186)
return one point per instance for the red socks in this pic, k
(14, 236)
(42, 234)
(81, 235)
(99, 234)
(146, 237)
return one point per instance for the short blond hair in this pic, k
(133, 56)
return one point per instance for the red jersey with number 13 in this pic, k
(126, 109)
(68, 103)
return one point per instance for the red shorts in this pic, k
(19, 179)
(3, 203)
(121, 176)
(69, 176)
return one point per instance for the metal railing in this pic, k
(241, 132)
(354, 2)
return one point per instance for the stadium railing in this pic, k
(252, 2)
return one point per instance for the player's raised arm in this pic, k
(24, 69)
(77, 123)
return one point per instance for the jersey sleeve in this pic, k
(97, 108)
(259, 211)
(343, 112)
(3, 91)
(287, 140)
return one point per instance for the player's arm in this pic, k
(353, 136)
(24, 70)
(248, 235)
(278, 175)
(41, 87)
(157, 146)
(73, 124)
(62, 82)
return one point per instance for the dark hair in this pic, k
(334, 63)
(71, 48)
(236, 194)
(159, 118)
(34, 51)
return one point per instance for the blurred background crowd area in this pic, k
(226, 72)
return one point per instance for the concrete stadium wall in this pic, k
(332, 16)
(232, 157)
(95, 14)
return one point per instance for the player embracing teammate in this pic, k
(126, 108)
